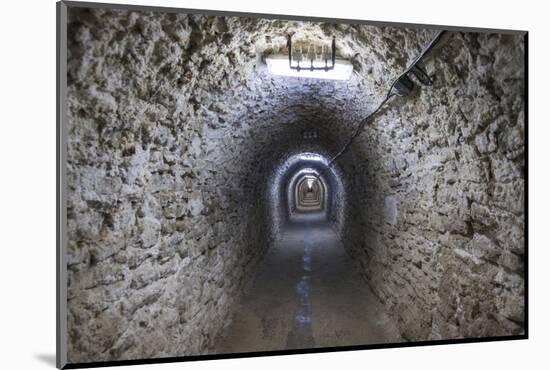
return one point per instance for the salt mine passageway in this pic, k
(205, 216)
(307, 294)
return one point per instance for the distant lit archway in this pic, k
(309, 194)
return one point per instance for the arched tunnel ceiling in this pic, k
(204, 71)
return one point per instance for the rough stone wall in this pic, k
(163, 228)
(441, 239)
(175, 130)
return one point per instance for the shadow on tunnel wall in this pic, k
(188, 232)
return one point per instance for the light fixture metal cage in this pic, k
(311, 56)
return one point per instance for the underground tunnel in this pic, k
(205, 214)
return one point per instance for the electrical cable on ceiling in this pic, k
(401, 86)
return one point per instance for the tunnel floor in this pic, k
(307, 293)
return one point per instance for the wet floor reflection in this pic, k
(307, 294)
(301, 334)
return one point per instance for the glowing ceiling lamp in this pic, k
(311, 64)
(278, 65)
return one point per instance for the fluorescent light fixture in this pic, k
(278, 65)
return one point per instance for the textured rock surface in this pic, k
(441, 192)
(176, 133)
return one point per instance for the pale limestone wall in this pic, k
(176, 131)
(441, 239)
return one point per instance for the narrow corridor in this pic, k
(307, 293)
(215, 206)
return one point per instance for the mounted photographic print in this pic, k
(235, 184)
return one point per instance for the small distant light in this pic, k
(278, 65)
(309, 183)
